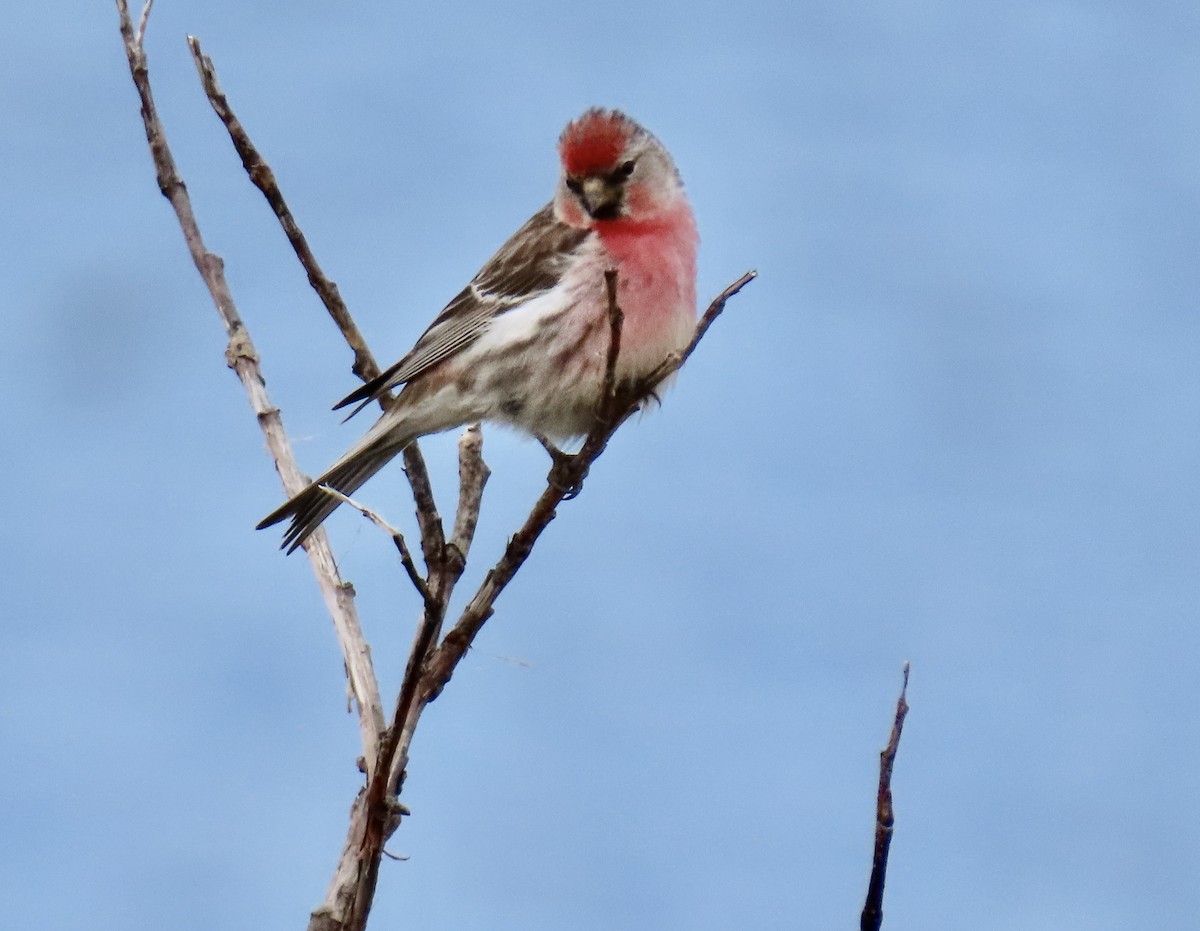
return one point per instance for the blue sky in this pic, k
(955, 422)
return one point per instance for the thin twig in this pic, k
(365, 366)
(885, 818)
(264, 179)
(429, 522)
(243, 359)
(616, 322)
(145, 18)
(675, 361)
(406, 559)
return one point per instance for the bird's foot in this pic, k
(566, 473)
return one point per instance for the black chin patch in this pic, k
(607, 211)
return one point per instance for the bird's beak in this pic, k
(601, 198)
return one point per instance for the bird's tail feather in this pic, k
(312, 505)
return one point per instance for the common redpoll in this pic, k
(525, 342)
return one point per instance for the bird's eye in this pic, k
(574, 185)
(626, 169)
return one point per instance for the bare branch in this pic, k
(473, 474)
(243, 359)
(264, 179)
(885, 820)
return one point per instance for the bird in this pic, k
(525, 343)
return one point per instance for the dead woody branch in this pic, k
(885, 818)
(242, 357)
(377, 811)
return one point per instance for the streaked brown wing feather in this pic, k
(529, 264)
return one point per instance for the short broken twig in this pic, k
(473, 474)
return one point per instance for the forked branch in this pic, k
(243, 359)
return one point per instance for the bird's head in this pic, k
(613, 169)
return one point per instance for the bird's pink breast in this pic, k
(656, 265)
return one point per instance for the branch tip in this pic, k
(140, 38)
(885, 818)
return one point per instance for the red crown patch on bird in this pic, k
(595, 141)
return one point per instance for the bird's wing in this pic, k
(528, 265)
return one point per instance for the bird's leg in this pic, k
(563, 470)
(556, 454)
